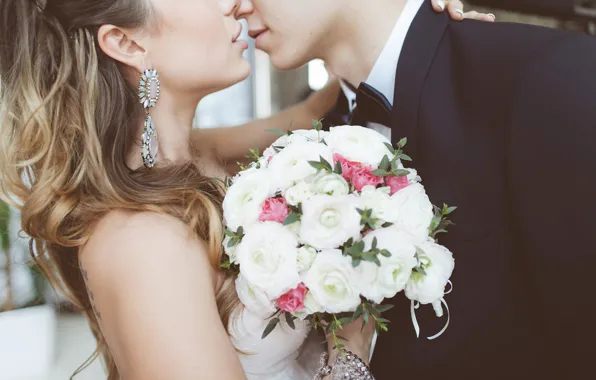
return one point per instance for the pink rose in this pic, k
(274, 210)
(293, 300)
(397, 183)
(364, 177)
(347, 167)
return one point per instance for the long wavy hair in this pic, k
(67, 119)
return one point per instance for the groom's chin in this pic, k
(284, 60)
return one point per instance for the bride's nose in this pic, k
(245, 8)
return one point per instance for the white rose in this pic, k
(379, 282)
(306, 135)
(377, 200)
(330, 184)
(328, 221)
(267, 257)
(438, 264)
(306, 256)
(411, 210)
(291, 164)
(254, 299)
(331, 282)
(358, 144)
(230, 251)
(298, 193)
(244, 199)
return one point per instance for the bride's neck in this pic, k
(173, 123)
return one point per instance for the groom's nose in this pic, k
(244, 10)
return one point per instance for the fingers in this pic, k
(455, 8)
(473, 15)
(439, 5)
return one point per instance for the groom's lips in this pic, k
(255, 34)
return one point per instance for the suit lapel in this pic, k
(416, 58)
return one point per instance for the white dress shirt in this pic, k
(382, 75)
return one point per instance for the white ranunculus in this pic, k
(413, 175)
(254, 299)
(330, 184)
(311, 306)
(306, 256)
(267, 257)
(330, 279)
(377, 200)
(328, 221)
(291, 164)
(411, 210)
(230, 251)
(298, 193)
(358, 144)
(244, 199)
(379, 282)
(438, 264)
(306, 135)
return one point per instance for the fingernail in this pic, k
(460, 12)
(441, 4)
(493, 16)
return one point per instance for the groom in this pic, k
(500, 121)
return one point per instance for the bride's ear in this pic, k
(120, 45)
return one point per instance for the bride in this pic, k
(130, 229)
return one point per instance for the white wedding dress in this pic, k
(285, 354)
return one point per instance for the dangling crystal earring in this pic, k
(148, 96)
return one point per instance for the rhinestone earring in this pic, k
(148, 96)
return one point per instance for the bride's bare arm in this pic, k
(153, 291)
(230, 144)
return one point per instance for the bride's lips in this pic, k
(258, 36)
(236, 40)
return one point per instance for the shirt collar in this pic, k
(382, 75)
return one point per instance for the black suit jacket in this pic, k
(501, 121)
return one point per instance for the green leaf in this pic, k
(338, 169)
(384, 308)
(420, 270)
(270, 327)
(387, 224)
(290, 321)
(390, 148)
(402, 142)
(451, 209)
(380, 172)
(385, 253)
(365, 318)
(291, 218)
(356, 262)
(317, 124)
(405, 157)
(357, 312)
(402, 172)
(383, 320)
(374, 243)
(385, 164)
(276, 131)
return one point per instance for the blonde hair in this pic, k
(67, 115)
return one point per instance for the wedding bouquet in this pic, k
(325, 226)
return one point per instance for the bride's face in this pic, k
(193, 44)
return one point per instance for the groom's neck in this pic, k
(356, 44)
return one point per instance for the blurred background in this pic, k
(42, 338)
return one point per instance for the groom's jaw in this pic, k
(352, 55)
